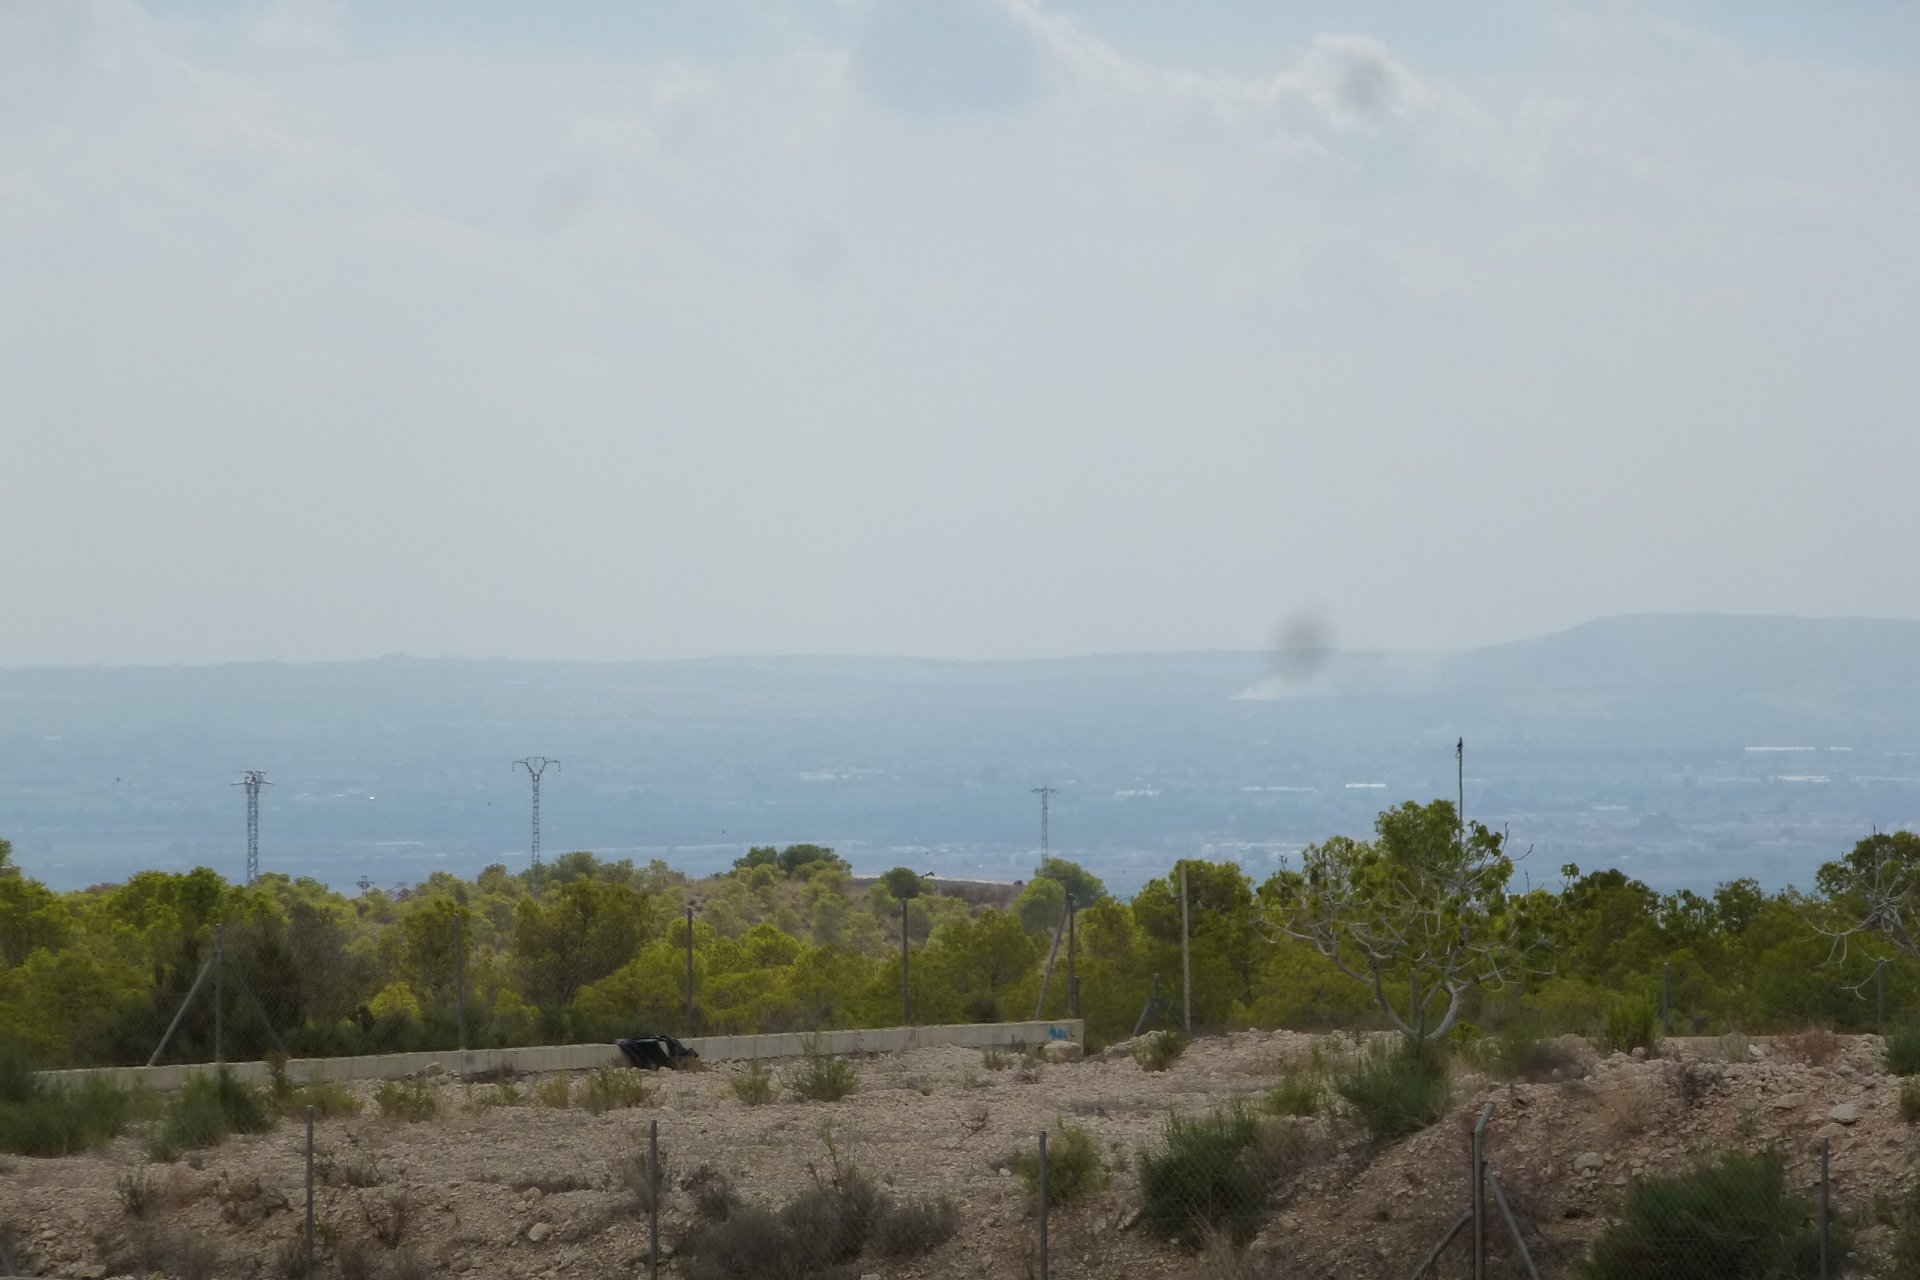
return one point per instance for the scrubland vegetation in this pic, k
(786, 942)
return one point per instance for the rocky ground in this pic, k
(537, 1191)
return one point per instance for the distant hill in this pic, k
(1686, 748)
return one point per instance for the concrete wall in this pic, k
(535, 1059)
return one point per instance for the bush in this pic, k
(1632, 1024)
(328, 1098)
(754, 1086)
(1299, 1093)
(1073, 1167)
(1905, 1259)
(643, 1181)
(1910, 1102)
(388, 1218)
(612, 1088)
(1160, 1050)
(1520, 1053)
(820, 1077)
(714, 1198)
(55, 1121)
(555, 1092)
(914, 1227)
(208, 1110)
(1902, 1052)
(1815, 1046)
(1212, 1178)
(1397, 1090)
(750, 1241)
(1734, 1217)
(408, 1101)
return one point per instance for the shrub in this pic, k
(1910, 1101)
(1397, 1090)
(1632, 1024)
(754, 1086)
(1733, 1217)
(1073, 1166)
(1905, 1259)
(1902, 1052)
(996, 1059)
(913, 1227)
(1160, 1050)
(1299, 1093)
(1213, 1176)
(1815, 1046)
(640, 1178)
(388, 1217)
(207, 1111)
(408, 1101)
(1517, 1053)
(611, 1088)
(39, 1119)
(138, 1193)
(555, 1092)
(752, 1241)
(820, 1077)
(328, 1098)
(714, 1198)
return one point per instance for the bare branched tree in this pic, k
(1421, 915)
(1871, 900)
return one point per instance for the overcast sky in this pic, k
(950, 327)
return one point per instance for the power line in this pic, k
(253, 780)
(535, 766)
(1045, 794)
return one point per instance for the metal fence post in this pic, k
(1826, 1202)
(1666, 1017)
(219, 1016)
(653, 1201)
(1477, 1152)
(1043, 1204)
(309, 1191)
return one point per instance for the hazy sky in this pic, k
(957, 327)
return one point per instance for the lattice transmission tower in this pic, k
(1045, 794)
(253, 780)
(535, 766)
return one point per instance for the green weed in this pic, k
(1397, 1090)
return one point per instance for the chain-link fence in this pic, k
(822, 1168)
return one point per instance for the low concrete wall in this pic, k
(534, 1059)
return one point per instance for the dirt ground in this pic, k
(534, 1191)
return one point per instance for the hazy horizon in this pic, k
(956, 328)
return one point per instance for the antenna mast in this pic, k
(253, 780)
(535, 766)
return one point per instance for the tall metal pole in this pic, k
(1045, 794)
(1073, 978)
(1666, 1016)
(253, 780)
(535, 766)
(460, 974)
(1186, 961)
(219, 1014)
(689, 972)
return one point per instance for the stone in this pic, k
(1062, 1051)
(1845, 1113)
(1785, 1102)
(1586, 1162)
(539, 1231)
